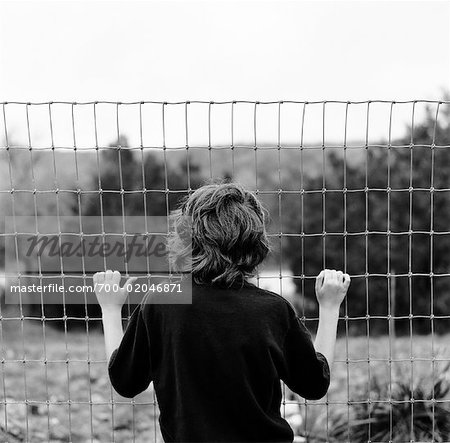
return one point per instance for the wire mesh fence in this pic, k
(360, 186)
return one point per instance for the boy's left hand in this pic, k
(108, 291)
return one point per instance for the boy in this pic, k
(216, 364)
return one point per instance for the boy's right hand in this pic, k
(331, 288)
(110, 294)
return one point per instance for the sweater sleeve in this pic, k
(307, 372)
(129, 367)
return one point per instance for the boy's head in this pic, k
(229, 241)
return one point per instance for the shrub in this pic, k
(400, 415)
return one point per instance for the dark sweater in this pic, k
(216, 364)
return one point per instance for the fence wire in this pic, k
(302, 159)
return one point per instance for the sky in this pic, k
(224, 50)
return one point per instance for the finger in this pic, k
(116, 277)
(100, 277)
(346, 281)
(319, 280)
(340, 276)
(334, 275)
(108, 274)
(129, 282)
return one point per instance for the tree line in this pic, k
(383, 217)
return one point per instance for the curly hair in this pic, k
(218, 234)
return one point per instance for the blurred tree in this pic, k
(124, 169)
(149, 178)
(399, 195)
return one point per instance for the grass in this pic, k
(90, 414)
(79, 395)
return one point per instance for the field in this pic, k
(69, 397)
